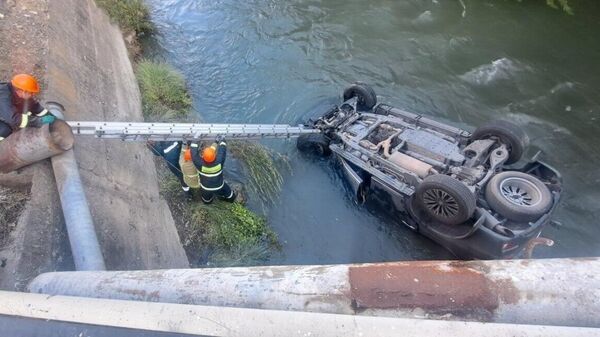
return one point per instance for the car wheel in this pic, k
(507, 133)
(366, 95)
(518, 196)
(314, 143)
(445, 199)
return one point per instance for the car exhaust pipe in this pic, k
(358, 184)
(30, 145)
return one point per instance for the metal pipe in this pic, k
(30, 145)
(78, 219)
(166, 319)
(552, 292)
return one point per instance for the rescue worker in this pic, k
(19, 108)
(210, 168)
(171, 151)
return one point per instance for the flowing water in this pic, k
(274, 61)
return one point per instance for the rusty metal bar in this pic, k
(85, 247)
(551, 292)
(30, 145)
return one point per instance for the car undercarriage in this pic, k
(473, 193)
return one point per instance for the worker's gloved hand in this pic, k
(219, 139)
(47, 119)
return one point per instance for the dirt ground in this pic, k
(12, 203)
(23, 38)
(23, 49)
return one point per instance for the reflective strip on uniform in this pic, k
(210, 175)
(194, 145)
(1, 138)
(29, 113)
(43, 113)
(212, 188)
(24, 121)
(223, 143)
(211, 169)
(167, 150)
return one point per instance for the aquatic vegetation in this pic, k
(131, 15)
(263, 168)
(164, 93)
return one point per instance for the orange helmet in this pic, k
(209, 154)
(25, 82)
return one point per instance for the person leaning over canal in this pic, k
(171, 151)
(210, 168)
(19, 108)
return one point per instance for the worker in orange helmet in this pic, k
(18, 106)
(210, 169)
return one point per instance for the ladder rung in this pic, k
(185, 131)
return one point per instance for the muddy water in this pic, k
(284, 61)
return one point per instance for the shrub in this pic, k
(131, 15)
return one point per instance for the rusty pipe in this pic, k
(551, 292)
(30, 145)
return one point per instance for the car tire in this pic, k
(445, 199)
(367, 98)
(314, 143)
(509, 134)
(518, 196)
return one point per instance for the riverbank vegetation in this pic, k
(164, 94)
(133, 16)
(219, 234)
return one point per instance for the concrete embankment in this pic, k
(89, 72)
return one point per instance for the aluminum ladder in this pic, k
(185, 131)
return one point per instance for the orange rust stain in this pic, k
(459, 289)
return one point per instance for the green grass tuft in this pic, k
(131, 15)
(164, 93)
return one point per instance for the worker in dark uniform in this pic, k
(19, 108)
(170, 151)
(210, 168)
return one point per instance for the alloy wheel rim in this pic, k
(520, 192)
(441, 203)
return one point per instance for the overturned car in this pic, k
(463, 190)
